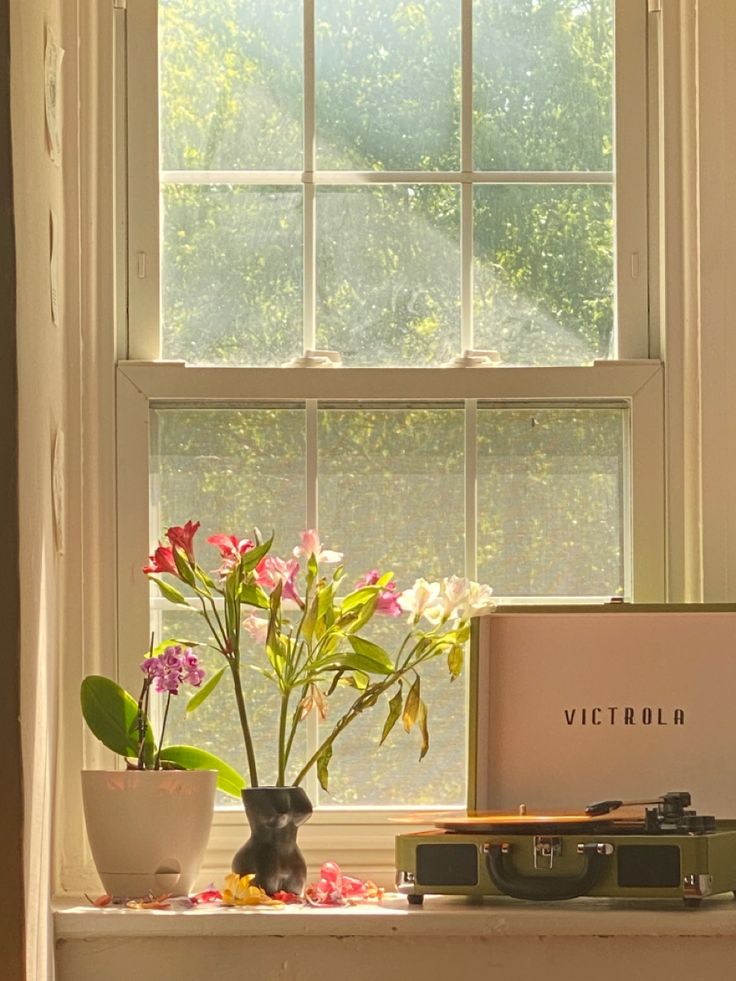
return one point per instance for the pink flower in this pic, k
(311, 545)
(387, 600)
(256, 628)
(336, 889)
(162, 560)
(273, 570)
(229, 545)
(181, 537)
(231, 550)
(175, 666)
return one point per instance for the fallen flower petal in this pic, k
(100, 902)
(238, 891)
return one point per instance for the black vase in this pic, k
(271, 853)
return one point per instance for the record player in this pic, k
(566, 704)
(658, 848)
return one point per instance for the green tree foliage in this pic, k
(387, 98)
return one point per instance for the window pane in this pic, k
(231, 469)
(230, 84)
(543, 86)
(388, 85)
(388, 273)
(543, 273)
(232, 274)
(551, 494)
(382, 476)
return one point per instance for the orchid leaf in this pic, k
(229, 781)
(423, 728)
(372, 651)
(112, 716)
(323, 762)
(411, 706)
(205, 691)
(394, 711)
(455, 661)
(358, 680)
(171, 593)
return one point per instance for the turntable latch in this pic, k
(596, 848)
(546, 849)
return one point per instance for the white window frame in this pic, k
(366, 839)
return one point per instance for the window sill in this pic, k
(441, 916)
(500, 940)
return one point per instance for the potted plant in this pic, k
(309, 634)
(148, 824)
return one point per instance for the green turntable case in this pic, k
(573, 705)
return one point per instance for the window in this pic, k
(411, 185)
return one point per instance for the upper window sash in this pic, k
(140, 160)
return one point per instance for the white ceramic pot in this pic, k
(148, 829)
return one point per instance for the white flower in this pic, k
(422, 598)
(478, 601)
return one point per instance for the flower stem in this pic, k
(157, 763)
(282, 738)
(252, 769)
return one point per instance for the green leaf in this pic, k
(360, 596)
(423, 728)
(455, 661)
(411, 706)
(323, 762)
(358, 662)
(112, 714)
(373, 652)
(394, 711)
(204, 578)
(206, 690)
(229, 781)
(183, 567)
(309, 618)
(171, 593)
(253, 556)
(252, 594)
(357, 680)
(171, 642)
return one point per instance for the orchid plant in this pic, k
(123, 723)
(311, 634)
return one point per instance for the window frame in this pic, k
(142, 380)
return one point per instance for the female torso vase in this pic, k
(271, 853)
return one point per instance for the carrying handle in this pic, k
(511, 883)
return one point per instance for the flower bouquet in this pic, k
(299, 625)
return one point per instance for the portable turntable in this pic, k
(653, 849)
(567, 704)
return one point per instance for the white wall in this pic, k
(48, 377)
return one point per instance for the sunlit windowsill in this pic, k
(75, 919)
